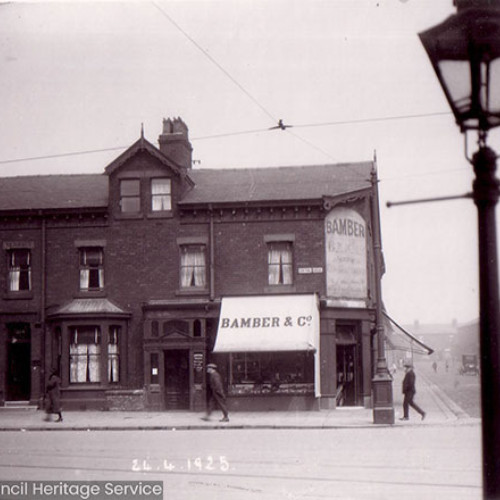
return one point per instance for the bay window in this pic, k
(85, 354)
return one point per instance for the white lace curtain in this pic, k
(280, 264)
(193, 267)
(19, 270)
(160, 194)
(85, 356)
(114, 355)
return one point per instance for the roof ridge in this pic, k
(311, 165)
(33, 176)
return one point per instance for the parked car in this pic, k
(470, 365)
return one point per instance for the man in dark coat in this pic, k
(53, 397)
(409, 392)
(216, 393)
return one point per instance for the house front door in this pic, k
(18, 376)
(177, 379)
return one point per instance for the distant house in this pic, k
(402, 342)
(466, 340)
(129, 282)
(439, 336)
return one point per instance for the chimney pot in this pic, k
(174, 142)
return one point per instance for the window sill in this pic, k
(280, 289)
(82, 386)
(192, 291)
(24, 295)
(90, 294)
(166, 214)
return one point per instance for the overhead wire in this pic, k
(242, 132)
(371, 120)
(62, 155)
(236, 82)
(214, 61)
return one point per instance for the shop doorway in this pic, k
(347, 375)
(177, 379)
(18, 350)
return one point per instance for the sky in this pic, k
(78, 80)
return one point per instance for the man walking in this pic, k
(216, 393)
(409, 392)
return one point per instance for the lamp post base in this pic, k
(383, 408)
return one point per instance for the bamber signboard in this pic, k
(268, 323)
(346, 265)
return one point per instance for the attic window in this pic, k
(130, 195)
(161, 195)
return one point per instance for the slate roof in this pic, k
(53, 192)
(211, 186)
(277, 184)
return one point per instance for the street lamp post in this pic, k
(383, 404)
(465, 53)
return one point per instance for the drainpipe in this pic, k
(212, 254)
(43, 302)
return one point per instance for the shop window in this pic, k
(114, 354)
(272, 373)
(130, 195)
(161, 195)
(193, 266)
(19, 278)
(85, 354)
(91, 269)
(280, 263)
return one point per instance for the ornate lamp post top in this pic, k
(465, 53)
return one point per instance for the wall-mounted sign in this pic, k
(310, 270)
(198, 365)
(305, 270)
(346, 264)
(198, 361)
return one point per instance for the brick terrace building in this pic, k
(131, 281)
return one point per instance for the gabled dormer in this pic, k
(145, 181)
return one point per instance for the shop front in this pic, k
(267, 348)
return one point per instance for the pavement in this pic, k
(439, 408)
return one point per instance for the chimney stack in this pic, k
(174, 142)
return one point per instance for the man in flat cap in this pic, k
(216, 393)
(409, 392)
